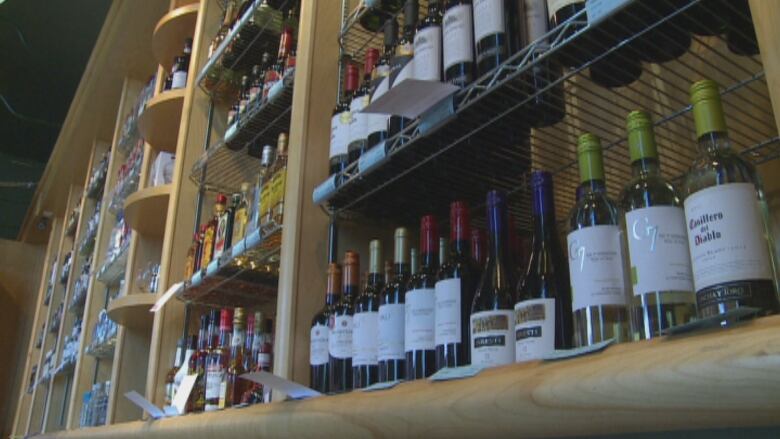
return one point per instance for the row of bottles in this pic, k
(657, 259)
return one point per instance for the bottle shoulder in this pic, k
(722, 166)
(646, 191)
(594, 209)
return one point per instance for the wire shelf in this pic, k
(486, 143)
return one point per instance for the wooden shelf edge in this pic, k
(147, 209)
(159, 123)
(170, 32)
(132, 310)
(720, 379)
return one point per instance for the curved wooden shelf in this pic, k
(170, 33)
(132, 310)
(159, 122)
(147, 209)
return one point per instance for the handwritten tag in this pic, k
(382, 386)
(562, 354)
(144, 403)
(455, 373)
(292, 389)
(172, 291)
(183, 394)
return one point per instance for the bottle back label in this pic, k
(534, 329)
(340, 337)
(318, 346)
(658, 250)
(488, 18)
(419, 326)
(457, 35)
(448, 318)
(427, 54)
(390, 332)
(339, 133)
(364, 338)
(726, 235)
(596, 267)
(491, 338)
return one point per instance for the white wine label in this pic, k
(554, 5)
(492, 343)
(419, 325)
(179, 79)
(488, 18)
(340, 337)
(458, 42)
(406, 72)
(448, 324)
(214, 377)
(427, 54)
(376, 123)
(364, 348)
(357, 129)
(535, 19)
(390, 332)
(318, 345)
(339, 134)
(726, 235)
(596, 267)
(534, 329)
(658, 250)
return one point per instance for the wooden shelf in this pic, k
(170, 33)
(132, 310)
(159, 122)
(147, 209)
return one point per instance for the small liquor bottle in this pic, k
(217, 364)
(209, 235)
(240, 214)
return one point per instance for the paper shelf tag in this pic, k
(136, 398)
(562, 354)
(714, 321)
(599, 10)
(455, 373)
(292, 389)
(172, 291)
(381, 386)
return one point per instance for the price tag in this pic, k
(372, 158)
(455, 373)
(172, 291)
(212, 268)
(599, 10)
(325, 190)
(292, 389)
(136, 398)
(713, 322)
(239, 247)
(381, 386)
(562, 354)
(437, 115)
(231, 132)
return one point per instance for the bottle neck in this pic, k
(645, 166)
(331, 298)
(597, 186)
(429, 262)
(375, 279)
(461, 248)
(713, 141)
(203, 337)
(350, 291)
(401, 269)
(224, 336)
(544, 229)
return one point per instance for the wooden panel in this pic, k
(170, 33)
(146, 210)
(159, 123)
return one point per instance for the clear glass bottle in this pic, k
(660, 264)
(596, 254)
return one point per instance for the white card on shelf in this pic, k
(172, 291)
(411, 98)
(144, 403)
(292, 389)
(455, 373)
(183, 394)
(562, 354)
(381, 386)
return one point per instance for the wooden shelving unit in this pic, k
(171, 31)
(159, 123)
(132, 310)
(146, 209)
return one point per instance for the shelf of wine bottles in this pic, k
(355, 38)
(502, 124)
(247, 275)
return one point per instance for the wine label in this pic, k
(179, 79)
(264, 361)
(390, 332)
(536, 20)
(596, 267)
(376, 123)
(318, 345)
(340, 337)
(658, 250)
(554, 5)
(406, 72)
(726, 235)
(359, 124)
(427, 54)
(339, 133)
(534, 329)
(364, 338)
(488, 18)
(214, 377)
(219, 239)
(457, 35)
(419, 325)
(447, 318)
(491, 338)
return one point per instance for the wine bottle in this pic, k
(546, 108)
(454, 293)
(235, 385)
(390, 329)
(376, 124)
(340, 126)
(378, 11)
(492, 318)
(478, 248)
(543, 319)
(365, 322)
(660, 263)
(706, 17)
(419, 343)
(732, 254)
(197, 365)
(319, 340)
(427, 45)
(596, 254)
(403, 63)
(359, 126)
(575, 52)
(493, 32)
(341, 328)
(458, 43)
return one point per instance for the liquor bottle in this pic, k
(494, 31)
(661, 276)
(478, 248)
(339, 127)
(359, 129)
(189, 262)
(378, 12)
(380, 80)
(224, 29)
(419, 341)
(197, 365)
(545, 108)
(263, 186)
(454, 293)
(209, 234)
(240, 214)
(491, 321)
(578, 51)
(256, 86)
(666, 41)
(234, 386)
(279, 180)
(254, 391)
(318, 341)
(458, 43)
(341, 328)
(170, 377)
(543, 318)
(365, 322)
(728, 236)
(390, 331)
(223, 231)
(596, 255)
(427, 45)
(217, 363)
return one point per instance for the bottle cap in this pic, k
(707, 107)
(334, 279)
(267, 158)
(590, 158)
(225, 318)
(351, 269)
(221, 199)
(374, 255)
(641, 139)
(238, 317)
(244, 186)
(459, 221)
(429, 234)
(401, 253)
(495, 198)
(372, 57)
(351, 78)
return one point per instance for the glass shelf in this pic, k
(102, 350)
(113, 270)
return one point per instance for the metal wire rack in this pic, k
(487, 143)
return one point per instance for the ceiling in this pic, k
(46, 45)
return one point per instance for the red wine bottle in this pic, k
(341, 328)
(390, 333)
(340, 125)
(617, 69)
(403, 67)
(458, 43)
(365, 322)
(419, 325)
(427, 45)
(358, 126)
(318, 341)
(454, 293)
(493, 32)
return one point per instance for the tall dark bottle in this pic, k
(340, 125)
(458, 43)
(377, 12)
(427, 45)
(341, 328)
(494, 31)
(403, 67)
(578, 51)
(390, 331)
(548, 107)
(359, 126)
(365, 322)
(454, 293)
(419, 342)
(318, 347)
(543, 308)
(492, 317)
